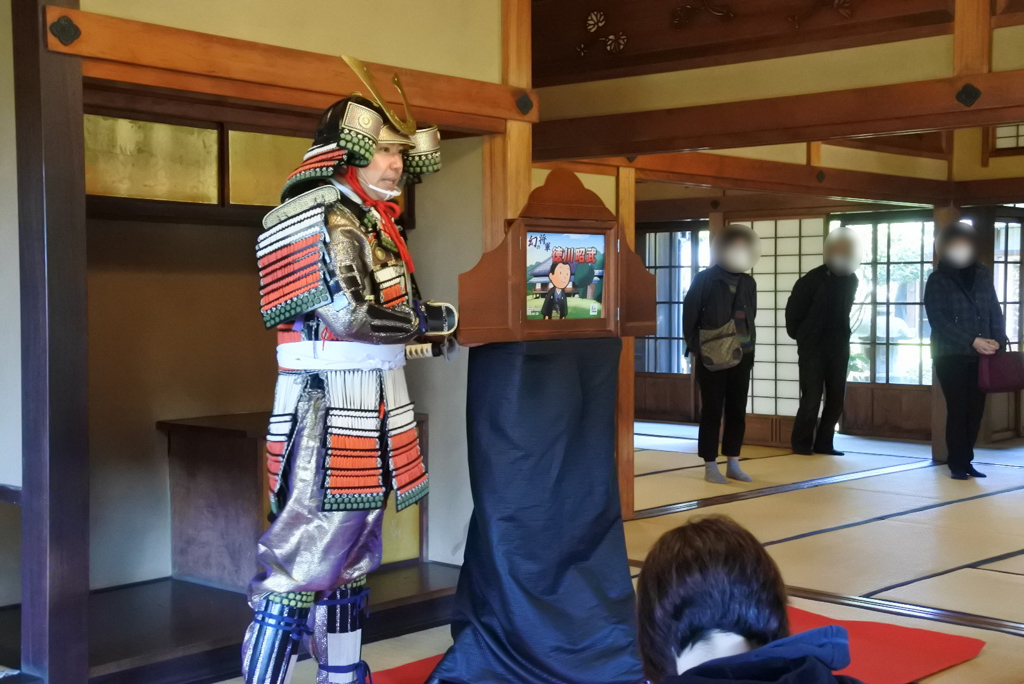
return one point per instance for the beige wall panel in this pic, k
(452, 37)
(900, 62)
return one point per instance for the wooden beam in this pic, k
(993, 191)
(748, 205)
(166, 49)
(877, 110)
(972, 37)
(625, 400)
(517, 43)
(508, 156)
(55, 402)
(737, 173)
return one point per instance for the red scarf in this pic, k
(388, 212)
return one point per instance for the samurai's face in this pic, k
(561, 275)
(384, 172)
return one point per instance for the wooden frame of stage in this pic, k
(158, 69)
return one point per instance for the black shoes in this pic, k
(974, 472)
(958, 475)
(830, 452)
(965, 474)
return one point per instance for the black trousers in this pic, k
(965, 405)
(723, 391)
(822, 371)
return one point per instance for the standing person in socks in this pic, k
(818, 318)
(718, 325)
(967, 322)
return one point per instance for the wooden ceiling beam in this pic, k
(736, 173)
(735, 206)
(150, 54)
(877, 110)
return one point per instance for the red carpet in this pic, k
(889, 654)
(882, 654)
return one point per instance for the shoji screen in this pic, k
(789, 248)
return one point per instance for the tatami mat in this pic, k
(870, 557)
(689, 485)
(781, 516)
(641, 427)
(680, 444)
(1000, 661)
(892, 447)
(1014, 565)
(978, 592)
(935, 483)
(999, 514)
(655, 461)
(1006, 453)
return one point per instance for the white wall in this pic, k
(448, 240)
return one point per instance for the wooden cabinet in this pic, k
(219, 504)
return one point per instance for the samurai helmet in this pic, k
(350, 130)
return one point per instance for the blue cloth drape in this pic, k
(545, 595)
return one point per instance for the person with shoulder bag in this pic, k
(718, 326)
(967, 322)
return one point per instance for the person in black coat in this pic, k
(967, 322)
(818, 318)
(717, 295)
(711, 607)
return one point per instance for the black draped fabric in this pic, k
(545, 595)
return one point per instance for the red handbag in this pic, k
(1001, 372)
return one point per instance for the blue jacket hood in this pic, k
(805, 658)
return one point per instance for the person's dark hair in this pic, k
(957, 231)
(708, 575)
(556, 264)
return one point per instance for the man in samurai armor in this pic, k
(336, 281)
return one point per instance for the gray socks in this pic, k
(713, 474)
(734, 472)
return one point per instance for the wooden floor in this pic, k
(864, 540)
(174, 631)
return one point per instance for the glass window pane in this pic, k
(905, 282)
(663, 251)
(882, 285)
(905, 364)
(1013, 254)
(880, 363)
(664, 355)
(905, 242)
(882, 242)
(999, 276)
(704, 248)
(860, 363)
(684, 244)
(1000, 241)
(664, 314)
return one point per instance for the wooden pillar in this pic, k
(943, 216)
(972, 37)
(51, 209)
(508, 158)
(625, 402)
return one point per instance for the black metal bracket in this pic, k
(65, 30)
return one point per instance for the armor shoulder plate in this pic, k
(295, 276)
